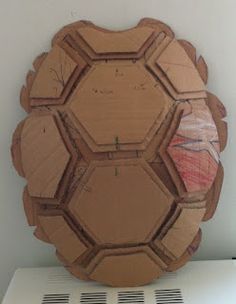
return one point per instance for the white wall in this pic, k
(26, 27)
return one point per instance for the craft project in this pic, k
(120, 151)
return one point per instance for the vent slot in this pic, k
(130, 297)
(59, 278)
(93, 298)
(56, 298)
(168, 296)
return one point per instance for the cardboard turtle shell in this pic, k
(120, 150)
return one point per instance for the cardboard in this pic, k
(120, 151)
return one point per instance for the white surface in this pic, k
(26, 27)
(205, 282)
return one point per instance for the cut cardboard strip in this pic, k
(103, 42)
(161, 71)
(183, 231)
(187, 255)
(179, 69)
(62, 236)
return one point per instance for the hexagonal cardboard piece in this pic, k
(135, 200)
(105, 98)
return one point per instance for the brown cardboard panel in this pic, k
(192, 248)
(218, 113)
(179, 69)
(183, 231)
(125, 189)
(129, 41)
(213, 195)
(44, 155)
(118, 105)
(130, 270)
(62, 236)
(53, 75)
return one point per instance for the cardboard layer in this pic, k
(120, 150)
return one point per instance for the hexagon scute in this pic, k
(104, 100)
(106, 186)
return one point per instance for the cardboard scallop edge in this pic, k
(16, 149)
(187, 255)
(213, 195)
(202, 69)
(157, 24)
(25, 91)
(39, 60)
(218, 112)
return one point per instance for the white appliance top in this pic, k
(199, 282)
